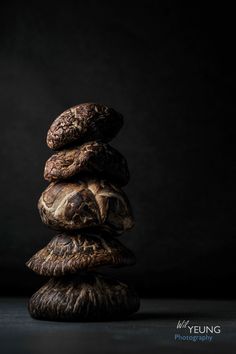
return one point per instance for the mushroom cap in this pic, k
(93, 157)
(66, 254)
(88, 297)
(84, 122)
(85, 203)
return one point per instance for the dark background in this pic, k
(170, 70)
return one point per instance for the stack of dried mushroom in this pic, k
(85, 203)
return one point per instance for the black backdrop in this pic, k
(170, 70)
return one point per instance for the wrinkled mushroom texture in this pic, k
(91, 158)
(72, 253)
(85, 122)
(88, 297)
(86, 203)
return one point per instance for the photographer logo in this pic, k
(196, 332)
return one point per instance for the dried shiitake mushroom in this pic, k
(85, 203)
(71, 253)
(88, 297)
(91, 158)
(85, 122)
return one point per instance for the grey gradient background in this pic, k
(170, 70)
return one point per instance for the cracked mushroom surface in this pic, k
(89, 297)
(91, 158)
(86, 203)
(68, 254)
(84, 122)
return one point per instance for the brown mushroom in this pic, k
(91, 158)
(85, 203)
(87, 297)
(85, 122)
(71, 253)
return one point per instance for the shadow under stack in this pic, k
(85, 204)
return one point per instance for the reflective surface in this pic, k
(152, 330)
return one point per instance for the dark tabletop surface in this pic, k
(152, 330)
